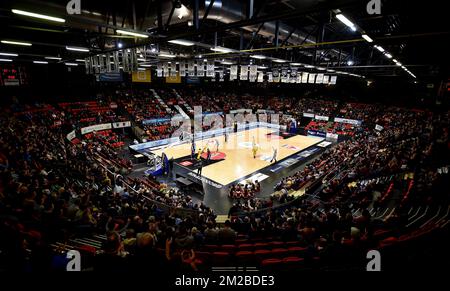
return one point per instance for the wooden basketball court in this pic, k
(239, 161)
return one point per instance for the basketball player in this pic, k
(274, 156)
(217, 144)
(199, 154)
(254, 150)
(192, 149)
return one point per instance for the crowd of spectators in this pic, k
(244, 191)
(51, 190)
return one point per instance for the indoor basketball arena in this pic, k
(223, 142)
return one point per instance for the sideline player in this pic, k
(274, 155)
(216, 141)
(254, 148)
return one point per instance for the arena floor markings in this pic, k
(239, 161)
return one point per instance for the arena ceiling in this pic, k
(306, 32)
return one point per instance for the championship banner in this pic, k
(210, 69)
(319, 79)
(102, 64)
(191, 69)
(233, 72)
(333, 80)
(311, 78)
(298, 79)
(244, 72)
(253, 73)
(182, 69)
(269, 77)
(221, 78)
(305, 78)
(173, 70)
(159, 70)
(200, 69)
(326, 79)
(141, 77)
(166, 70)
(275, 76)
(174, 79)
(260, 77)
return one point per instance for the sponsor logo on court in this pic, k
(288, 162)
(205, 180)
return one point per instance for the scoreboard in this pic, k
(12, 75)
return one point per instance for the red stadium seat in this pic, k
(279, 252)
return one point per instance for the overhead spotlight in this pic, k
(367, 38)
(259, 57)
(399, 64)
(77, 49)
(53, 58)
(163, 55)
(379, 48)
(119, 45)
(279, 61)
(221, 49)
(153, 50)
(8, 54)
(125, 32)
(40, 62)
(388, 55)
(350, 63)
(37, 15)
(346, 21)
(71, 64)
(182, 42)
(16, 42)
(6, 60)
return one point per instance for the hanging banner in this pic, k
(319, 79)
(200, 69)
(269, 77)
(191, 69)
(165, 69)
(260, 77)
(326, 79)
(253, 73)
(244, 72)
(333, 80)
(210, 69)
(221, 78)
(305, 78)
(233, 72)
(182, 69)
(298, 79)
(311, 78)
(141, 77)
(159, 70)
